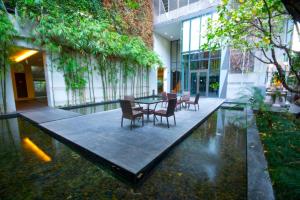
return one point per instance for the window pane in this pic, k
(195, 34)
(173, 51)
(172, 5)
(182, 3)
(178, 51)
(204, 21)
(194, 65)
(204, 64)
(214, 76)
(186, 36)
(193, 1)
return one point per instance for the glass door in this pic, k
(202, 83)
(194, 83)
(198, 82)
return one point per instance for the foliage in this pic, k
(255, 26)
(84, 27)
(215, 85)
(256, 99)
(281, 139)
(132, 17)
(7, 32)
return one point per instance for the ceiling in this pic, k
(170, 31)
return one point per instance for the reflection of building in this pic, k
(181, 27)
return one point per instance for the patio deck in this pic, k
(130, 153)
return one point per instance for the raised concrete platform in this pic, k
(130, 152)
(47, 114)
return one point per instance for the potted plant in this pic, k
(215, 86)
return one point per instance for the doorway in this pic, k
(21, 85)
(198, 82)
(28, 77)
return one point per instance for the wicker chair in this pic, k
(195, 102)
(167, 113)
(131, 99)
(174, 96)
(129, 113)
(164, 97)
(185, 97)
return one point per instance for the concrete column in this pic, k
(10, 99)
(48, 78)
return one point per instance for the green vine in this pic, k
(7, 33)
(84, 29)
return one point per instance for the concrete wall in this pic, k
(11, 106)
(238, 84)
(58, 95)
(162, 47)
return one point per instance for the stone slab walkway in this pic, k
(132, 152)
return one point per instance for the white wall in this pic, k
(58, 95)
(162, 47)
(238, 84)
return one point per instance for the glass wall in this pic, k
(175, 66)
(201, 70)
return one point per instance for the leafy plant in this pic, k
(83, 28)
(7, 32)
(255, 26)
(215, 85)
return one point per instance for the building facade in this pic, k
(181, 26)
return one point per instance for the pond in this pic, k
(209, 164)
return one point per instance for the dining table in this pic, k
(148, 102)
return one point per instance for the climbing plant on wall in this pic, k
(7, 33)
(86, 29)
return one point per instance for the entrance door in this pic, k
(21, 85)
(198, 82)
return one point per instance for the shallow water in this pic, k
(208, 164)
(96, 108)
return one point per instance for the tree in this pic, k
(256, 25)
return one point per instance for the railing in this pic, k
(165, 10)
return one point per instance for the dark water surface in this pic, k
(208, 164)
(97, 108)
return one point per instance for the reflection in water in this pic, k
(36, 150)
(208, 164)
(94, 109)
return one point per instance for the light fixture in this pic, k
(23, 55)
(171, 36)
(35, 149)
(166, 33)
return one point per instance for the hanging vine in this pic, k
(7, 32)
(79, 29)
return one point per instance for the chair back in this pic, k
(131, 99)
(197, 98)
(186, 96)
(126, 108)
(172, 96)
(164, 96)
(171, 106)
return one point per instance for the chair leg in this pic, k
(168, 122)
(154, 119)
(143, 120)
(195, 106)
(174, 120)
(160, 119)
(122, 122)
(131, 125)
